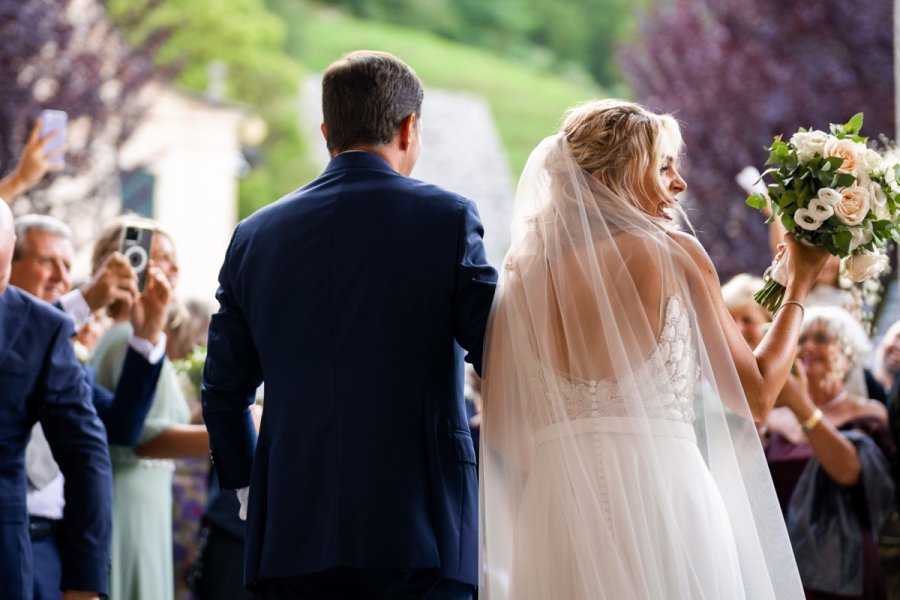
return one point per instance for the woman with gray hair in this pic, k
(828, 453)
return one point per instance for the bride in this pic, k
(620, 458)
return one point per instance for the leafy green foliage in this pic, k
(564, 34)
(527, 101)
(250, 40)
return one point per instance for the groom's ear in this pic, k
(407, 132)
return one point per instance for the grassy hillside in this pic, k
(527, 101)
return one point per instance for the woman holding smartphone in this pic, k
(142, 475)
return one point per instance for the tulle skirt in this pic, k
(599, 518)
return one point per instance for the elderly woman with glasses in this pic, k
(828, 453)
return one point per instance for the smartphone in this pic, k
(136, 241)
(54, 121)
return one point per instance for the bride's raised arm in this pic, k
(763, 371)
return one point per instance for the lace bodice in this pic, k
(666, 381)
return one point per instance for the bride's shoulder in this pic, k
(690, 251)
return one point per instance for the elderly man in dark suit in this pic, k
(355, 297)
(40, 380)
(41, 266)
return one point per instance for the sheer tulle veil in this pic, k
(597, 481)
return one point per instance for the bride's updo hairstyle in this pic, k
(623, 145)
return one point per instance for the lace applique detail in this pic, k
(666, 382)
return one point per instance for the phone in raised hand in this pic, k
(55, 122)
(137, 238)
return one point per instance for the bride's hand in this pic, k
(803, 264)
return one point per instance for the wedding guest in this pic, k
(186, 333)
(751, 318)
(33, 165)
(40, 380)
(828, 454)
(41, 266)
(887, 366)
(142, 477)
(887, 358)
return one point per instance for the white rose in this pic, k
(860, 267)
(806, 219)
(846, 149)
(820, 209)
(873, 161)
(809, 143)
(854, 205)
(879, 202)
(829, 196)
(861, 235)
(889, 175)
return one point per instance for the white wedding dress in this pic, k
(692, 544)
(619, 458)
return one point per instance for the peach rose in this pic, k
(846, 149)
(853, 206)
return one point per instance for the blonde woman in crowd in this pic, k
(142, 566)
(751, 318)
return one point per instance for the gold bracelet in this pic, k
(813, 421)
(785, 303)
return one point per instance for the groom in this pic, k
(354, 297)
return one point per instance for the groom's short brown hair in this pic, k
(365, 97)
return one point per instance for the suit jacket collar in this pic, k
(358, 160)
(14, 311)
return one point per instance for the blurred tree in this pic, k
(736, 73)
(582, 33)
(68, 56)
(250, 41)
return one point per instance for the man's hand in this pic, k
(148, 315)
(34, 164)
(114, 280)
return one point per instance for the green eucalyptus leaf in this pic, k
(757, 201)
(844, 180)
(788, 222)
(787, 198)
(854, 124)
(842, 239)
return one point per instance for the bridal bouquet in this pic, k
(832, 191)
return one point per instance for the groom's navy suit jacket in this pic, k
(353, 298)
(40, 380)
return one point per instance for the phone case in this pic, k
(54, 121)
(136, 243)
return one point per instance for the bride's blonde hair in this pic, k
(623, 145)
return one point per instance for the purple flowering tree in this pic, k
(737, 73)
(66, 55)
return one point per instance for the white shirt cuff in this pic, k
(74, 305)
(243, 496)
(145, 348)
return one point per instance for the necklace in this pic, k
(835, 401)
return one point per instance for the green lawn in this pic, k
(527, 102)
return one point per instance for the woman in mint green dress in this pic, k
(142, 476)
